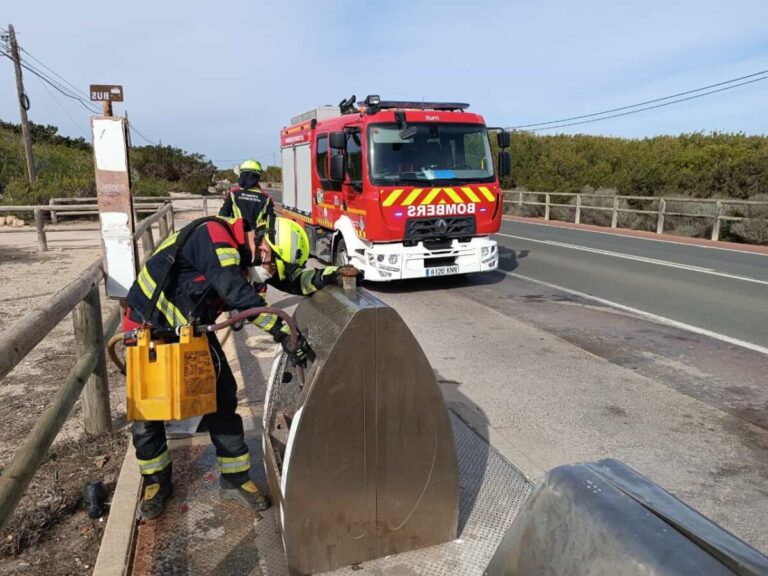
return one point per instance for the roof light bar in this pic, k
(373, 103)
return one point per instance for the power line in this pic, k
(651, 107)
(67, 82)
(77, 126)
(67, 89)
(645, 102)
(54, 84)
(132, 127)
(84, 103)
(62, 88)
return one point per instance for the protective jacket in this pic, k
(253, 205)
(209, 277)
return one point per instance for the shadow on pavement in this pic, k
(469, 423)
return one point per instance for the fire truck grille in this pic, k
(425, 228)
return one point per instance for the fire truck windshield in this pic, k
(448, 153)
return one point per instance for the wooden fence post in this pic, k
(520, 200)
(716, 225)
(40, 225)
(205, 205)
(169, 219)
(54, 216)
(546, 206)
(89, 337)
(148, 242)
(577, 218)
(163, 224)
(31, 454)
(660, 220)
(615, 214)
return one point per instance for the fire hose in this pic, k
(205, 328)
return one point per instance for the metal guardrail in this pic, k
(89, 374)
(658, 206)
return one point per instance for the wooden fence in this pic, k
(59, 207)
(656, 206)
(89, 374)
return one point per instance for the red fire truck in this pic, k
(399, 189)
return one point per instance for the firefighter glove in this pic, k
(281, 332)
(301, 355)
(333, 275)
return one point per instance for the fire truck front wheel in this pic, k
(341, 257)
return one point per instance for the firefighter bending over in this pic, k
(217, 267)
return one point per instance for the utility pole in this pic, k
(23, 105)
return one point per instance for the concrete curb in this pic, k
(117, 542)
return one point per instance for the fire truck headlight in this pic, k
(393, 259)
(484, 251)
(380, 257)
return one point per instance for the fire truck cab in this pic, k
(399, 189)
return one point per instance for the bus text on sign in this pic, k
(106, 93)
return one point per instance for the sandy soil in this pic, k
(50, 532)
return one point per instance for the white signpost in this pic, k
(110, 152)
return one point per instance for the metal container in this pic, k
(360, 459)
(169, 381)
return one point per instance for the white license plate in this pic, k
(442, 270)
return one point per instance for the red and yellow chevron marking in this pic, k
(423, 196)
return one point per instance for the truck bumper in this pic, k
(385, 262)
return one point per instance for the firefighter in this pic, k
(282, 252)
(249, 201)
(213, 262)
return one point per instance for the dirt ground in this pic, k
(50, 532)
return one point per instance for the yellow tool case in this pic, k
(170, 381)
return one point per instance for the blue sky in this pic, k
(222, 78)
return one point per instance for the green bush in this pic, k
(64, 168)
(697, 165)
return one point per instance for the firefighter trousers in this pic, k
(225, 427)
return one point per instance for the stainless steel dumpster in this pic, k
(360, 458)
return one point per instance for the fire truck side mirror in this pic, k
(337, 140)
(503, 139)
(338, 166)
(504, 164)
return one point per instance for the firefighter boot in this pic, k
(157, 491)
(247, 494)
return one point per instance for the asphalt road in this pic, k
(551, 378)
(714, 290)
(549, 359)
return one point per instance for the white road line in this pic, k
(666, 241)
(647, 315)
(667, 263)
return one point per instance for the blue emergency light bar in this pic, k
(389, 104)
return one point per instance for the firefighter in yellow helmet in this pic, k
(215, 267)
(283, 250)
(249, 201)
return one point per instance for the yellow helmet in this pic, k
(250, 166)
(289, 243)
